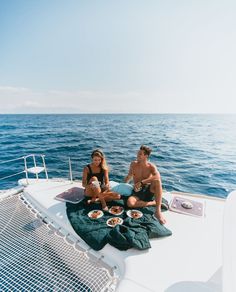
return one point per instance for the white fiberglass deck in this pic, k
(189, 260)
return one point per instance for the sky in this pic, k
(117, 56)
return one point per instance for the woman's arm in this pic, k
(106, 179)
(84, 179)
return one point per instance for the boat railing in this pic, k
(14, 174)
(36, 169)
(33, 170)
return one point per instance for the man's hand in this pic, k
(128, 178)
(137, 187)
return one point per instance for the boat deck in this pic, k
(189, 260)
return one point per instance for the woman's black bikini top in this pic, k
(100, 175)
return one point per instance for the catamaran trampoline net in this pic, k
(34, 258)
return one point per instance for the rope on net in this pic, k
(33, 257)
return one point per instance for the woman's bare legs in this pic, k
(93, 190)
(110, 196)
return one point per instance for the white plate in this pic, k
(90, 214)
(129, 213)
(119, 221)
(118, 213)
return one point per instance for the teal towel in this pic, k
(133, 233)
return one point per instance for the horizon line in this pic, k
(121, 113)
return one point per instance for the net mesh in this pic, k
(34, 258)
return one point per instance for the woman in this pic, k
(96, 180)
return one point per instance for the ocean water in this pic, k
(194, 153)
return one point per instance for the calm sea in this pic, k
(194, 153)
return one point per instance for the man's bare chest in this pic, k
(143, 172)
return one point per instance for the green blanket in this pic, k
(132, 233)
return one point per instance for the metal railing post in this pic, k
(70, 169)
(44, 165)
(37, 176)
(26, 172)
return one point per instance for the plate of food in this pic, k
(135, 214)
(95, 214)
(112, 222)
(116, 210)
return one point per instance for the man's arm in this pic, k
(155, 175)
(130, 174)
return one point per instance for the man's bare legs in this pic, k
(156, 188)
(135, 202)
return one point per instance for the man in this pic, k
(147, 183)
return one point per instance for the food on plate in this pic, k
(135, 214)
(95, 214)
(114, 221)
(116, 210)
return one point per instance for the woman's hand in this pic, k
(106, 187)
